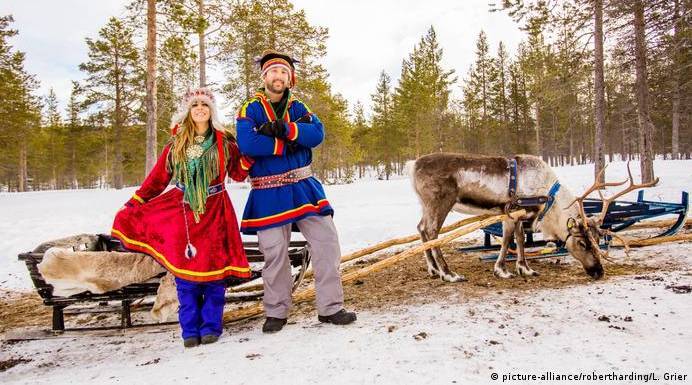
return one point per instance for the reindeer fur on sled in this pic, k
(475, 184)
(71, 272)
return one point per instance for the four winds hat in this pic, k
(203, 95)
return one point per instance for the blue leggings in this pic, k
(201, 307)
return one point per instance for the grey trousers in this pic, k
(323, 245)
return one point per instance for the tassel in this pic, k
(190, 251)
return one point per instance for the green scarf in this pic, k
(196, 175)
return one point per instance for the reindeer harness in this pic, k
(516, 202)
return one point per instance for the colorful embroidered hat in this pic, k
(200, 94)
(271, 59)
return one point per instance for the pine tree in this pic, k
(256, 25)
(362, 139)
(114, 84)
(387, 135)
(422, 97)
(53, 133)
(19, 111)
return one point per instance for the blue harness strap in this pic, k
(551, 199)
(512, 178)
(529, 201)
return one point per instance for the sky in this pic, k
(365, 37)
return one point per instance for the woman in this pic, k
(191, 229)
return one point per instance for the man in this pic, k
(279, 131)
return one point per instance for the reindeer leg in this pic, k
(432, 221)
(433, 270)
(500, 269)
(523, 268)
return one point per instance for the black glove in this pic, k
(274, 128)
(292, 146)
(304, 119)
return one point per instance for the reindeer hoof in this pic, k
(433, 273)
(526, 271)
(504, 274)
(453, 277)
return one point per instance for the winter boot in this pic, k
(209, 339)
(273, 325)
(191, 342)
(342, 317)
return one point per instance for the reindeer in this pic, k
(475, 184)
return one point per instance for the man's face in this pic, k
(277, 79)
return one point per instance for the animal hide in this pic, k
(81, 242)
(166, 299)
(72, 272)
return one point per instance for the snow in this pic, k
(366, 212)
(466, 340)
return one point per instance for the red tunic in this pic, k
(154, 224)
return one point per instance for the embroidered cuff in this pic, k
(136, 200)
(246, 162)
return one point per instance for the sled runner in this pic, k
(620, 216)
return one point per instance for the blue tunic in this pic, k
(272, 207)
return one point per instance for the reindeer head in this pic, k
(585, 233)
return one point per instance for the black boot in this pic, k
(209, 339)
(191, 342)
(342, 317)
(273, 325)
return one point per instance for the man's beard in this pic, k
(278, 89)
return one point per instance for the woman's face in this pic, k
(200, 112)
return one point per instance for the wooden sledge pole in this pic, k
(653, 241)
(377, 247)
(474, 223)
(660, 223)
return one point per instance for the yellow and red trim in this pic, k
(138, 198)
(245, 163)
(280, 217)
(278, 146)
(197, 276)
(268, 109)
(243, 110)
(292, 131)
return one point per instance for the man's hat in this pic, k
(271, 58)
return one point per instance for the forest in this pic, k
(592, 81)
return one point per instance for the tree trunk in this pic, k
(646, 127)
(151, 87)
(675, 134)
(599, 92)
(202, 48)
(117, 130)
(571, 146)
(22, 174)
(538, 130)
(73, 166)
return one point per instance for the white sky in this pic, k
(365, 37)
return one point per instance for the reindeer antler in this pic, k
(598, 186)
(631, 187)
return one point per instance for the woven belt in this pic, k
(211, 190)
(279, 180)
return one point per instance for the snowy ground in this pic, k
(367, 212)
(459, 340)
